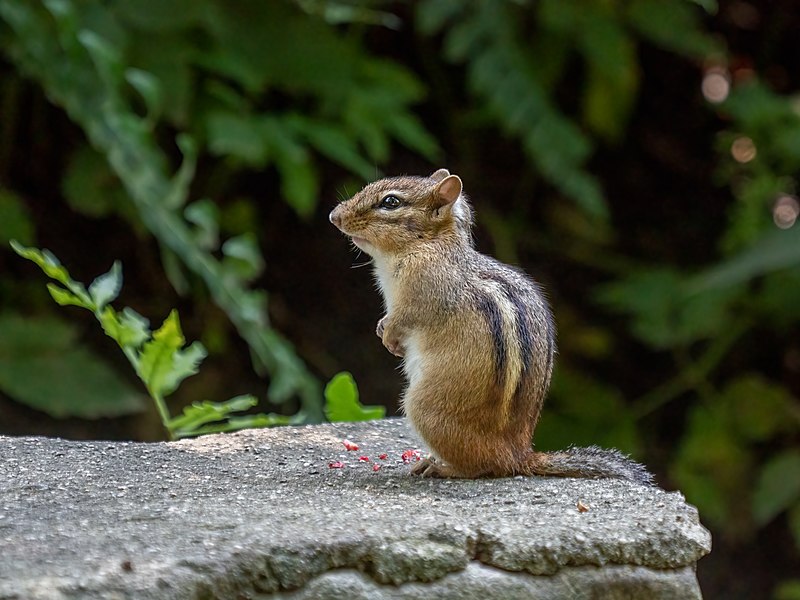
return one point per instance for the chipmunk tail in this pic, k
(590, 462)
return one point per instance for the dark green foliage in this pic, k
(585, 412)
(78, 382)
(221, 64)
(353, 105)
(506, 68)
(484, 35)
(773, 124)
(663, 313)
(158, 357)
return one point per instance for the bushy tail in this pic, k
(591, 462)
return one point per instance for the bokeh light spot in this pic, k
(743, 149)
(785, 211)
(716, 85)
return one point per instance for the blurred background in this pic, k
(640, 158)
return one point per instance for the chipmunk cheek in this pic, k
(411, 225)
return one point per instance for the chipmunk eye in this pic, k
(390, 202)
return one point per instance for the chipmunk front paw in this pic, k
(394, 346)
(392, 343)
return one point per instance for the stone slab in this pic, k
(261, 514)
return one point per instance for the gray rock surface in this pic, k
(261, 514)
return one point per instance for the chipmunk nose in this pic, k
(334, 217)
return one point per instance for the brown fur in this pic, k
(477, 336)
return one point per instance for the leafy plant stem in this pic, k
(160, 358)
(89, 84)
(163, 413)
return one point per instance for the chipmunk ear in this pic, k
(440, 174)
(448, 190)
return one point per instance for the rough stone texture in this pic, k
(479, 582)
(260, 514)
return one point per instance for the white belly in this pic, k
(414, 368)
(412, 363)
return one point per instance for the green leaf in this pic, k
(337, 13)
(178, 191)
(672, 25)
(410, 132)
(176, 95)
(66, 298)
(787, 590)
(204, 214)
(341, 401)
(759, 409)
(106, 56)
(253, 306)
(755, 107)
(163, 364)
(778, 486)
(662, 314)
(149, 89)
(44, 260)
(244, 255)
(153, 16)
(206, 417)
(749, 217)
(59, 8)
(78, 383)
(186, 362)
(436, 15)
(238, 136)
(778, 249)
(585, 190)
(711, 464)
(299, 184)
(710, 6)
(51, 266)
(235, 423)
(610, 53)
(613, 75)
(335, 143)
(200, 413)
(14, 216)
(174, 270)
(128, 328)
(106, 287)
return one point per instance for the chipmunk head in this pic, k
(393, 214)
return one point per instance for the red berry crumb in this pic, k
(382, 456)
(363, 459)
(337, 464)
(350, 445)
(376, 467)
(411, 455)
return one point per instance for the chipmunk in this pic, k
(477, 336)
